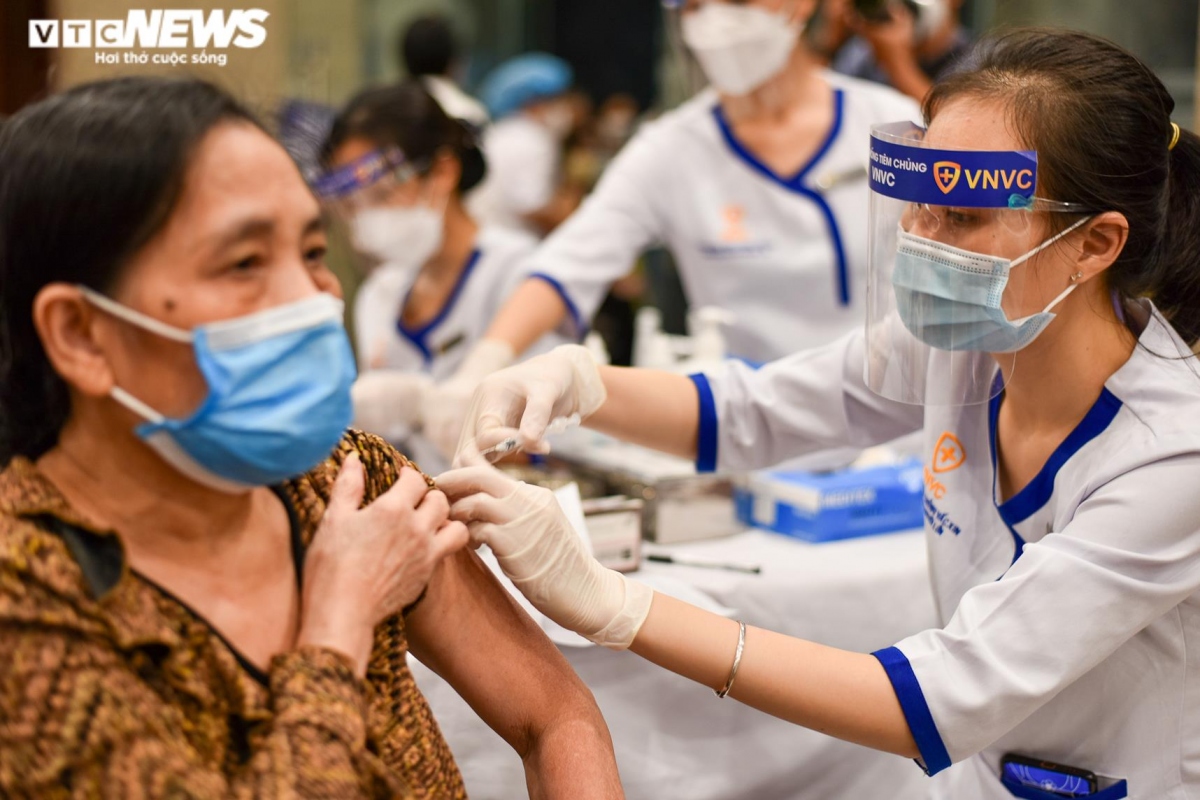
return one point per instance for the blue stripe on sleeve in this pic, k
(916, 710)
(581, 328)
(706, 434)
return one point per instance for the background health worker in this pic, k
(1061, 413)
(534, 115)
(399, 167)
(756, 185)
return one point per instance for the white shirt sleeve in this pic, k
(376, 309)
(794, 406)
(601, 241)
(1129, 555)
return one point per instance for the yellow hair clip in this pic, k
(1174, 136)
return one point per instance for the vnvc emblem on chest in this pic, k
(735, 224)
(948, 453)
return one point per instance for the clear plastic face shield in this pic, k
(733, 46)
(381, 198)
(963, 271)
(380, 178)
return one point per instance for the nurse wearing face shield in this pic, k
(757, 186)
(1032, 308)
(397, 169)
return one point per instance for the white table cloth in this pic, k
(674, 739)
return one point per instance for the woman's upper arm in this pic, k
(469, 631)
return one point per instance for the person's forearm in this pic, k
(533, 310)
(906, 75)
(843, 694)
(327, 627)
(655, 409)
(565, 761)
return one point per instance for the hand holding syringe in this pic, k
(511, 444)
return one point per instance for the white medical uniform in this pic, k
(786, 256)
(524, 159)
(438, 347)
(1071, 609)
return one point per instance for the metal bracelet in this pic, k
(737, 660)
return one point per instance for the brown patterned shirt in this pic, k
(110, 687)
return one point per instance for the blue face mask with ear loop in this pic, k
(278, 396)
(950, 298)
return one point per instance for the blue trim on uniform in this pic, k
(417, 335)
(580, 328)
(796, 183)
(1037, 493)
(916, 710)
(1027, 502)
(706, 433)
(1117, 791)
(993, 415)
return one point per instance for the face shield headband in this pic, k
(362, 173)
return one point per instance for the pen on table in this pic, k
(684, 562)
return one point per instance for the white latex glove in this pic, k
(544, 557)
(523, 400)
(388, 402)
(445, 408)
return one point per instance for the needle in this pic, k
(500, 450)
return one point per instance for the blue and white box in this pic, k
(827, 506)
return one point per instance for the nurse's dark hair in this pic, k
(1100, 120)
(406, 116)
(87, 177)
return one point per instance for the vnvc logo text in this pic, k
(947, 173)
(155, 29)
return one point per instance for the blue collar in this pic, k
(795, 182)
(796, 185)
(1027, 502)
(418, 335)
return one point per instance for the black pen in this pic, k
(683, 562)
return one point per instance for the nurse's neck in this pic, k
(1055, 381)
(437, 280)
(799, 86)
(458, 242)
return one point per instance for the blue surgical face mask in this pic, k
(278, 393)
(950, 298)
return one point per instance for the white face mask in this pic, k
(404, 236)
(739, 47)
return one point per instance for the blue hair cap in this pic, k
(523, 80)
